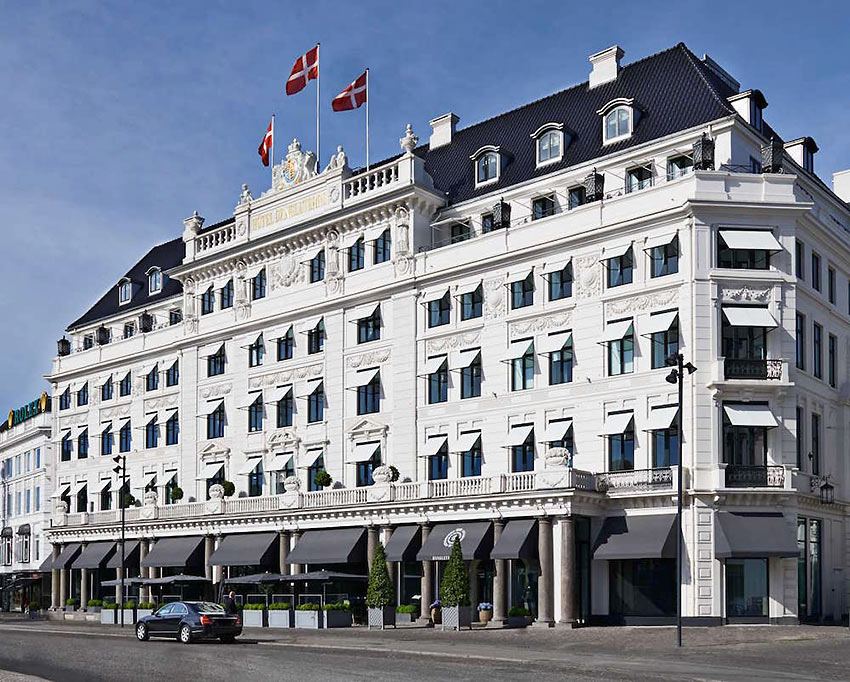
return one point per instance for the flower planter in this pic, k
(254, 619)
(485, 616)
(381, 617)
(141, 613)
(310, 620)
(404, 618)
(337, 619)
(457, 617)
(107, 616)
(280, 619)
(517, 621)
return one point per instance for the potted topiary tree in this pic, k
(380, 595)
(280, 614)
(454, 591)
(309, 616)
(337, 614)
(108, 613)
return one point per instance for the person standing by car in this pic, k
(229, 603)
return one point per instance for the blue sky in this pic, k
(119, 119)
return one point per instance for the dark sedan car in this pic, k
(188, 621)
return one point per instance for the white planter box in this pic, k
(311, 620)
(107, 617)
(280, 619)
(253, 619)
(382, 617)
(457, 617)
(337, 619)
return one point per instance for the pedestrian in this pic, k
(230, 603)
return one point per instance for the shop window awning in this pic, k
(645, 536)
(661, 418)
(433, 365)
(753, 535)
(749, 316)
(659, 323)
(616, 424)
(467, 441)
(616, 331)
(131, 554)
(556, 431)
(750, 415)
(247, 549)
(518, 435)
(249, 465)
(336, 546)
(95, 555)
(517, 541)
(404, 543)
(519, 348)
(68, 555)
(176, 552)
(433, 445)
(280, 461)
(363, 452)
(476, 541)
(757, 240)
(552, 343)
(464, 358)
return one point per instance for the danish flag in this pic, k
(353, 96)
(306, 68)
(266, 144)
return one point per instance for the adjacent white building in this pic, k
(487, 317)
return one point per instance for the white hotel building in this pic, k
(488, 316)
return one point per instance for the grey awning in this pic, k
(131, 554)
(94, 555)
(754, 535)
(176, 552)
(404, 543)
(650, 536)
(517, 541)
(476, 541)
(66, 558)
(247, 549)
(337, 546)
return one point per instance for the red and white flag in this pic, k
(266, 144)
(306, 68)
(353, 96)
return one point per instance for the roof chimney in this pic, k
(442, 130)
(802, 150)
(841, 185)
(606, 65)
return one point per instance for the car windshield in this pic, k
(207, 607)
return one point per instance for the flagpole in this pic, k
(271, 165)
(367, 120)
(318, 80)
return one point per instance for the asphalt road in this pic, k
(66, 655)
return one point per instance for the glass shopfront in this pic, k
(642, 587)
(746, 590)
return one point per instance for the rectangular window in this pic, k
(255, 415)
(172, 375)
(678, 166)
(317, 267)
(638, 178)
(226, 295)
(620, 269)
(369, 328)
(215, 363)
(215, 422)
(561, 283)
(152, 434)
(316, 404)
(256, 351)
(106, 390)
(664, 259)
(316, 338)
(369, 397)
(817, 350)
(470, 379)
(439, 311)
(356, 256)
(286, 345)
(438, 464)
(621, 354)
(208, 301)
(800, 259)
(522, 371)
(801, 341)
(438, 384)
(522, 292)
(543, 207)
(561, 363)
(666, 343)
(125, 437)
(382, 248)
(172, 430)
(577, 196)
(470, 463)
(285, 410)
(815, 271)
(815, 453)
(258, 285)
(471, 303)
(831, 359)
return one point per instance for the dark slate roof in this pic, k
(673, 90)
(164, 256)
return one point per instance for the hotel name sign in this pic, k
(28, 411)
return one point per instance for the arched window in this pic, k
(487, 168)
(618, 123)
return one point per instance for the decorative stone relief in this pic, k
(746, 293)
(453, 342)
(286, 376)
(366, 359)
(541, 324)
(636, 304)
(494, 298)
(216, 391)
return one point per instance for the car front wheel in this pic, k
(142, 632)
(185, 634)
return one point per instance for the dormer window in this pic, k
(617, 119)
(154, 281)
(549, 143)
(487, 165)
(125, 291)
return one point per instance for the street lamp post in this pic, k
(121, 469)
(677, 376)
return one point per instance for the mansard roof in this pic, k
(164, 256)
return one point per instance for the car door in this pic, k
(157, 623)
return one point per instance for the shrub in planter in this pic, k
(309, 615)
(254, 615)
(454, 591)
(323, 479)
(380, 594)
(485, 612)
(280, 614)
(229, 488)
(518, 617)
(337, 615)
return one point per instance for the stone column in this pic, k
(427, 582)
(283, 567)
(568, 571)
(54, 581)
(545, 583)
(144, 590)
(84, 588)
(500, 582)
(371, 545)
(296, 536)
(209, 547)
